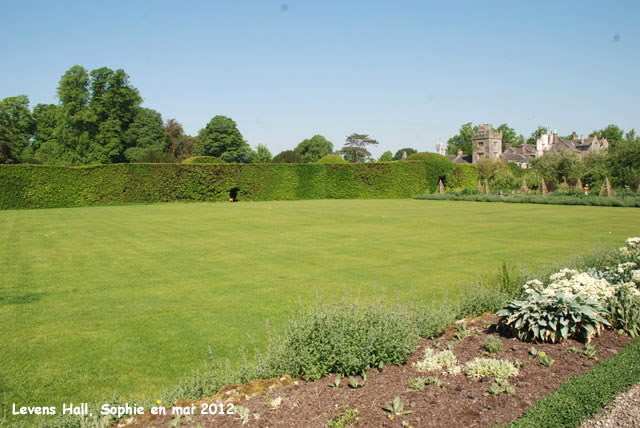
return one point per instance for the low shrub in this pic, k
(536, 199)
(552, 318)
(479, 298)
(493, 345)
(347, 418)
(345, 338)
(443, 360)
(500, 370)
(433, 318)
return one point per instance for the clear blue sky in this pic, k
(405, 72)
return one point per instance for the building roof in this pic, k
(516, 157)
(460, 158)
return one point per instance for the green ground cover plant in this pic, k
(109, 298)
(578, 398)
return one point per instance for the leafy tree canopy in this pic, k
(536, 134)
(354, 149)
(463, 140)
(624, 161)
(6, 148)
(312, 149)
(399, 153)
(386, 157)
(612, 133)
(262, 154)
(287, 156)
(16, 117)
(509, 136)
(222, 139)
(146, 135)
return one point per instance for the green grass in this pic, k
(127, 299)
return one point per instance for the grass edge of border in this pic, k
(581, 397)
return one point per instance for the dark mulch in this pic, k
(459, 402)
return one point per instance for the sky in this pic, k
(408, 73)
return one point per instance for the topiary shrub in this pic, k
(331, 159)
(201, 160)
(438, 167)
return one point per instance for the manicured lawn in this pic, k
(94, 300)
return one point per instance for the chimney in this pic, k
(574, 136)
(582, 139)
(459, 152)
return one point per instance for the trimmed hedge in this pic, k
(582, 396)
(37, 186)
(201, 160)
(462, 176)
(438, 167)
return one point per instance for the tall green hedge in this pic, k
(37, 186)
(462, 176)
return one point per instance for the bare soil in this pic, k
(459, 402)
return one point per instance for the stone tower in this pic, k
(487, 143)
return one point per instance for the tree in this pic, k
(263, 155)
(312, 149)
(77, 124)
(537, 134)
(386, 157)
(146, 135)
(400, 152)
(6, 148)
(46, 118)
(16, 117)
(509, 136)
(612, 133)
(287, 156)
(555, 167)
(463, 140)
(73, 90)
(487, 167)
(115, 104)
(354, 150)
(624, 161)
(179, 144)
(222, 139)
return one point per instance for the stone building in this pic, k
(487, 143)
(551, 143)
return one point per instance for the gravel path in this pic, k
(624, 411)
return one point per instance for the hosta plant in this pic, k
(553, 318)
(624, 310)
